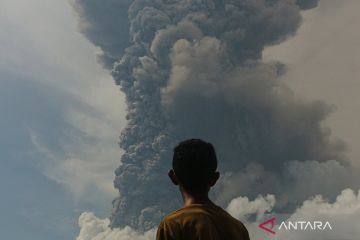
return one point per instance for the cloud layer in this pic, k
(343, 214)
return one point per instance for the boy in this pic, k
(194, 171)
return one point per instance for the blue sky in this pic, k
(61, 114)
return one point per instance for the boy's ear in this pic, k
(173, 177)
(214, 179)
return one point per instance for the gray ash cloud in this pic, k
(194, 68)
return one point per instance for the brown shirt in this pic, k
(201, 222)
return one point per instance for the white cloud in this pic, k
(242, 207)
(93, 228)
(343, 214)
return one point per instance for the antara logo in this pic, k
(270, 222)
(269, 225)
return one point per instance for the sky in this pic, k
(61, 116)
(61, 113)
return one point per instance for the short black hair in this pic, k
(194, 162)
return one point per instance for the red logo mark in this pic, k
(270, 222)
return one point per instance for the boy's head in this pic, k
(194, 165)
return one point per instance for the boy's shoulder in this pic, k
(197, 220)
(198, 213)
(194, 209)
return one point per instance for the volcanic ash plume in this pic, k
(194, 68)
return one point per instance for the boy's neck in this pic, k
(195, 198)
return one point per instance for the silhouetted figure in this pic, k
(194, 170)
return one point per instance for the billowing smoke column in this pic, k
(194, 68)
